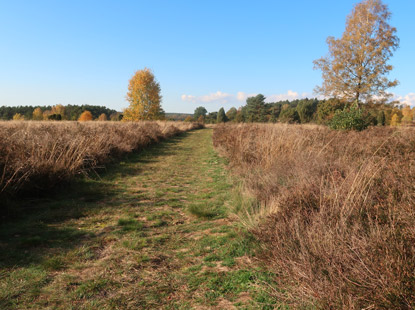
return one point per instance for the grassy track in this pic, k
(153, 232)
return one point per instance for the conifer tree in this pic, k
(221, 116)
(255, 109)
(381, 119)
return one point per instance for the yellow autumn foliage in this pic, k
(85, 116)
(395, 121)
(58, 109)
(18, 117)
(144, 97)
(407, 115)
(102, 117)
(37, 114)
(356, 67)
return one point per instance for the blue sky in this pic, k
(209, 53)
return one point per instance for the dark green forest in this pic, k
(313, 110)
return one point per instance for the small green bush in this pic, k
(55, 117)
(350, 118)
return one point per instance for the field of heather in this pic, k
(334, 210)
(38, 155)
(300, 216)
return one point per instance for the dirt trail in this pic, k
(154, 232)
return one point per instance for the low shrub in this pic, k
(350, 118)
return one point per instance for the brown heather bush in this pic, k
(38, 155)
(335, 211)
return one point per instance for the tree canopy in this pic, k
(255, 109)
(221, 118)
(102, 117)
(144, 97)
(37, 114)
(356, 66)
(199, 111)
(85, 116)
(231, 114)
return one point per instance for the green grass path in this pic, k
(153, 232)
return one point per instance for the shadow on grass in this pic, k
(152, 153)
(38, 224)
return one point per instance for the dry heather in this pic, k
(37, 155)
(335, 210)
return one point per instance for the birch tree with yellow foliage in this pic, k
(37, 114)
(85, 116)
(406, 115)
(395, 121)
(356, 67)
(144, 97)
(58, 110)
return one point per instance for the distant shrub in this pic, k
(55, 117)
(350, 118)
(326, 110)
(395, 121)
(115, 117)
(18, 117)
(103, 117)
(37, 114)
(58, 110)
(407, 115)
(85, 116)
(201, 119)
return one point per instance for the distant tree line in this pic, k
(301, 111)
(57, 112)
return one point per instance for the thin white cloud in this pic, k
(219, 97)
(222, 97)
(241, 96)
(188, 98)
(408, 99)
(215, 97)
(290, 95)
